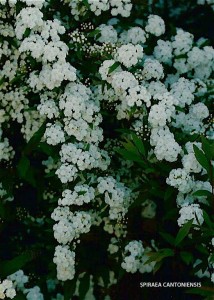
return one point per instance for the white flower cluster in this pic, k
(165, 145)
(70, 225)
(54, 134)
(65, 261)
(81, 114)
(132, 261)
(194, 59)
(163, 52)
(129, 55)
(19, 279)
(180, 179)
(189, 212)
(183, 90)
(135, 35)
(34, 293)
(189, 161)
(47, 106)
(107, 34)
(135, 258)
(138, 96)
(44, 45)
(152, 69)
(193, 121)
(122, 7)
(7, 289)
(6, 151)
(155, 26)
(81, 194)
(186, 199)
(14, 103)
(104, 70)
(162, 112)
(74, 158)
(117, 196)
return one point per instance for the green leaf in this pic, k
(203, 193)
(207, 219)
(168, 193)
(11, 266)
(85, 2)
(129, 155)
(94, 33)
(84, 286)
(160, 255)
(207, 148)
(139, 144)
(113, 67)
(201, 158)
(19, 296)
(168, 237)
(47, 149)
(187, 257)
(27, 32)
(69, 289)
(157, 266)
(36, 138)
(203, 291)
(202, 249)
(2, 80)
(23, 166)
(183, 232)
(211, 258)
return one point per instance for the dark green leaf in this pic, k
(139, 144)
(207, 219)
(19, 296)
(168, 193)
(202, 249)
(201, 158)
(36, 138)
(160, 255)
(84, 286)
(183, 232)
(27, 32)
(69, 289)
(208, 150)
(201, 193)
(187, 257)
(129, 155)
(168, 237)
(113, 67)
(2, 80)
(203, 291)
(94, 33)
(11, 266)
(157, 266)
(23, 166)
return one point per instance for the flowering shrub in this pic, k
(106, 150)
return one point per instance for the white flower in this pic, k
(180, 179)
(129, 55)
(188, 212)
(155, 25)
(54, 134)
